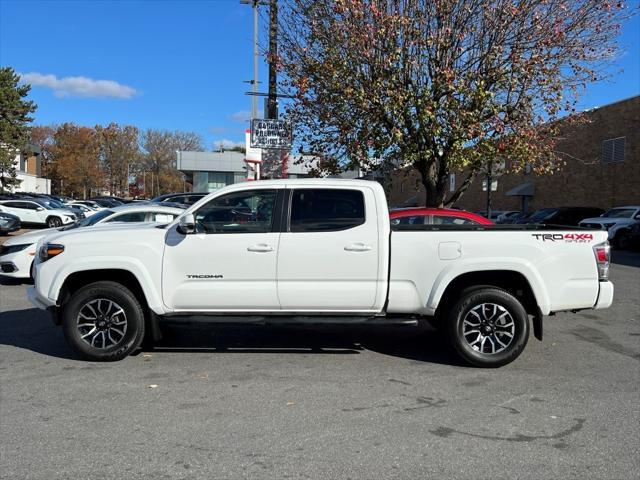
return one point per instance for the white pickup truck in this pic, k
(316, 251)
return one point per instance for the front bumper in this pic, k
(9, 227)
(605, 295)
(18, 264)
(38, 300)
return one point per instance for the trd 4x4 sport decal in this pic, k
(566, 237)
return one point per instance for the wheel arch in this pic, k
(78, 279)
(511, 281)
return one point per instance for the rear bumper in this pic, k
(605, 295)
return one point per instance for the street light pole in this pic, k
(256, 54)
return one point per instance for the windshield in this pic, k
(543, 214)
(43, 204)
(92, 220)
(620, 213)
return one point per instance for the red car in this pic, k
(436, 216)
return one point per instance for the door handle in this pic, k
(357, 247)
(260, 247)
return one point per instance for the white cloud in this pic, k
(227, 144)
(79, 86)
(243, 116)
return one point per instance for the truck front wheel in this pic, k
(488, 327)
(103, 321)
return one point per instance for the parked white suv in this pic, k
(37, 212)
(617, 221)
(17, 253)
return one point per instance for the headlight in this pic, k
(608, 225)
(49, 250)
(6, 250)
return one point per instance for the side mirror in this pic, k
(187, 224)
(39, 209)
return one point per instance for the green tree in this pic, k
(14, 123)
(440, 85)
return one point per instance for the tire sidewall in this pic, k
(123, 297)
(51, 222)
(473, 299)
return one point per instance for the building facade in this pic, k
(210, 171)
(28, 171)
(600, 168)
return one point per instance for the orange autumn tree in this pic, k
(440, 85)
(75, 161)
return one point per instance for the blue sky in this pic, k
(171, 64)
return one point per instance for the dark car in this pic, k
(630, 238)
(183, 198)
(570, 216)
(8, 223)
(106, 202)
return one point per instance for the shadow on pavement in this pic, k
(15, 281)
(625, 257)
(32, 329)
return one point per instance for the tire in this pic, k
(502, 326)
(103, 322)
(54, 222)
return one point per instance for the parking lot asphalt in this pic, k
(338, 403)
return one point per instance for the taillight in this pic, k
(602, 252)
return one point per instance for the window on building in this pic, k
(239, 212)
(613, 150)
(325, 210)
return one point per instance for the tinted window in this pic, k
(322, 210)
(445, 220)
(129, 217)
(415, 220)
(239, 212)
(14, 204)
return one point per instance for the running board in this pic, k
(288, 320)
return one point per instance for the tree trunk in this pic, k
(434, 181)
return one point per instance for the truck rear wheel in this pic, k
(488, 327)
(103, 322)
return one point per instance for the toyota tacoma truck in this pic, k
(316, 251)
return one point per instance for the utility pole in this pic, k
(272, 102)
(256, 55)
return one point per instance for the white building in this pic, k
(28, 172)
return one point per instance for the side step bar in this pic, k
(288, 320)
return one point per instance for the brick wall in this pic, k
(583, 181)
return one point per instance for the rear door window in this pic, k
(326, 209)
